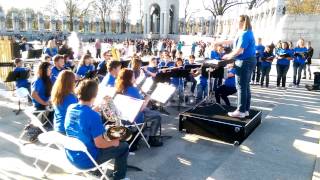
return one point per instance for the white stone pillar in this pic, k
(28, 22)
(97, 23)
(202, 25)
(138, 26)
(76, 24)
(128, 26)
(86, 25)
(2, 22)
(53, 24)
(118, 26)
(145, 24)
(166, 23)
(161, 23)
(211, 25)
(40, 23)
(182, 26)
(15, 22)
(148, 23)
(64, 24)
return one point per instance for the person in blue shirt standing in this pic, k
(114, 68)
(193, 48)
(179, 46)
(62, 95)
(266, 63)
(85, 66)
(84, 123)
(300, 55)
(283, 56)
(202, 83)
(228, 88)
(245, 61)
(124, 85)
(259, 53)
(58, 62)
(22, 75)
(51, 48)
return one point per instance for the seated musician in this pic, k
(62, 95)
(68, 63)
(22, 75)
(166, 61)
(177, 82)
(114, 68)
(58, 62)
(125, 85)
(218, 56)
(41, 87)
(85, 66)
(46, 58)
(102, 67)
(152, 69)
(190, 78)
(84, 123)
(267, 58)
(229, 86)
(135, 65)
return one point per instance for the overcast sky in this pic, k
(38, 5)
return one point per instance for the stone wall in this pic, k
(293, 27)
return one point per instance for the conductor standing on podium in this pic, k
(244, 55)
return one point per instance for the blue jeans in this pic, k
(297, 70)
(244, 69)
(202, 92)
(120, 154)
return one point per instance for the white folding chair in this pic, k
(64, 142)
(129, 108)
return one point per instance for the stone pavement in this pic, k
(284, 146)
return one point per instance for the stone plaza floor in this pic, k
(284, 146)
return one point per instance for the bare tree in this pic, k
(104, 7)
(51, 8)
(255, 3)
(75, 8)
(219, 7)
(124, 9)
(189, 11)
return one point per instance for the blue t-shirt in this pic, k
(266, 63)
(299, 59)
(83, 70)
(54, 74)
(284, 61)
(152, 70)
(51, 51)
(260, 48)
(60, 112)
(84, 124)
(231, 81)
(109, 80)
(247, 42)
(68, 64)
(134, 92)
(39, 87)
(21, 82)
(165, 64)
(193, 46)
(215, 55)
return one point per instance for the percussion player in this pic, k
(84, 123)
(244, 55)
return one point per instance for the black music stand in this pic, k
(180, 74)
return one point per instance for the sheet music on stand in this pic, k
(103, 92)
(147, 85)
(128, 107)
(163, 92)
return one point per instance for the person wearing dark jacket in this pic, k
(308, 61)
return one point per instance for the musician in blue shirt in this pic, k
(102, 66)
(58, 61)
(267, 58)
(84, 123)
(62, 96)
(51, 48)
(259, 53)
(202, 84)
(228, 88)
(244, 54)
(22, 74)
(114, 68)
(300, 56)
(166, 61)
(283, 56)
(190, 78)
(151, 70)
(85, 66)
(41, 87)
(124, 85)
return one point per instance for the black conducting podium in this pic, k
(211, 120)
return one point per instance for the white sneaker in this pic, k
(247, 113)
(278, 87)
(237, 114)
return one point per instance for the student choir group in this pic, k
(72, 95)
